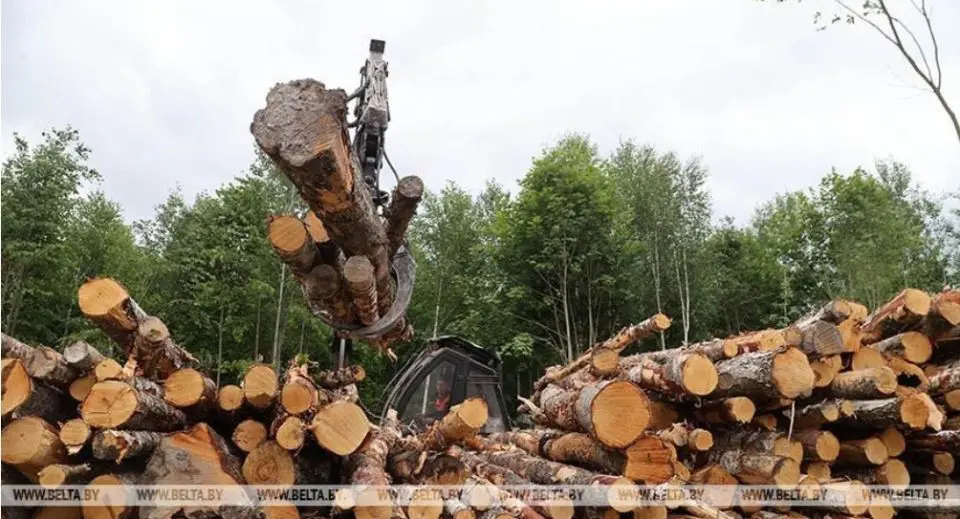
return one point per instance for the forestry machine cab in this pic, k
(447, 372)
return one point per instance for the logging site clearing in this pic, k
(807, 405)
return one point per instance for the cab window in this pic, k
(483, 385)
(431, 399)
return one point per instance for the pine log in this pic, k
(817, 445)
(260, 386)
(338, 378)
(117, 405)
(547, 472)
(299, 393)
(768, 340)
(403, 206)
(41, 363)
(116, 446)
(931, 461)
(757, 468)
(818, 469)
(914, 347)
(625, 337)
(734, 410)
(869, 451)
(230, 400)
(864, 384)
(75, 434)
(249, 434)
(80, 388)
(751, 440)
(340, 427)
(358, 273)
(894, 441)
(715, 350)
(834, 312)
(892, 473)
(866, 358)
(944, 313)
(289, 432)
(825, 369)
(190, 390)
(615, 412)
(25, 396)
(293, 243)
(30, 444)
(672, 372)
(766, 422)
(82, 356)
(903, 311)
(945, 381)
(367, 466)
(303, 130)
(196, 456)
(765, 375)
(652, 461)
(906, 412)
(604, 362)
(108, 497)
(463, 420)
(682, 435)
(109, 306)
(947, 441)
(821, 338)
(57, 475)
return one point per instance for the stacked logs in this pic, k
(341, 250)
(840, 399)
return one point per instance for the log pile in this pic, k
(799, 407)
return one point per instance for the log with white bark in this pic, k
(82, 356)
(42, 363)
(905, 310)
(116, 446)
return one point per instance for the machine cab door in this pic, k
(441, 379)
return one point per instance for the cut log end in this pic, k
(108, 369)
(109, 404)
(297, 398)
(291, 433)
(914, 412)
(80, 388)
(260, 386)
(269, 464)
(249, 434)
(340, 427)
(792, 374)
(102, 297)
(17, 385)
(894, 441)
(287, 234)
(74, 434)
(699, 376)
(186, 388)
(108, 501)
(943, 462)
(30, 444)
(894, 473)
(619, 413)
(230, 398)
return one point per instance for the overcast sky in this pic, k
(164, 91)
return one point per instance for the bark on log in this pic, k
(196, 456)
(734, 410)
(672, 372)
(817, 445)
(340, 427)
(765, 375)
(29, 444)
(303, 130)
(403, 206)
(462, 421)
(864, 384)
(109, 306)
(107, 500)
(82, 356)
(758, 468)
(944, 313)
(913, 347)
(614, 412)
(945, 381)
(299, 393)
(903, 311)
(117, 405)
(367, 466)
(892, 473)
(869, 451)
(336, 379)
(358, 273)
(75, 434)
(948, 441)
(834, 312)
(260, 386)
(908, 412)
(750, 440)
(682, 435)
(42, 363)
(25, 396)
(191, 391)
(547, 472)
(768, 340)
(625, 337)
(116, 446)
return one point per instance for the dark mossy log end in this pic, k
(30, 444)
(117, 405)
(24, 395)
(82, 356)
(303, 130)
(615, 412)
(403, 206)
(42, 363)
(116, 446)
(196, 456)
(766, 375)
